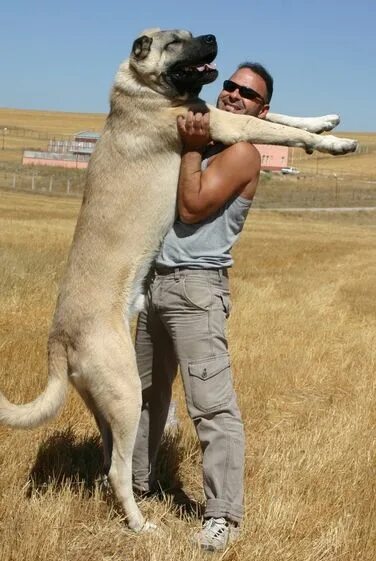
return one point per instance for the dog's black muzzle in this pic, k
(194, 68)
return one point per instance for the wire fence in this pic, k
(20, 132)
(274, 191)
(71, 185)
(316, 191)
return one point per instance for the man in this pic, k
(188, 303)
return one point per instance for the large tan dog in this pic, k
(128, 206)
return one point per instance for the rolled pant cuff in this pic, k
(217, 508)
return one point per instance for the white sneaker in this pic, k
(216, 534)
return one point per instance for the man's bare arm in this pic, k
(232, 172)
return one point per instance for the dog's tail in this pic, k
(46, 406)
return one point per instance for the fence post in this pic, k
(336, 187)
(32, 182)
(51, 183)
(14, 181)
(68, 186)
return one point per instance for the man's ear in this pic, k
(141, 47)
(264, 111)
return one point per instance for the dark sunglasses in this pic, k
(245, 92)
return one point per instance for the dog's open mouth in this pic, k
(191, 77)
(200, 70)
(206, 67)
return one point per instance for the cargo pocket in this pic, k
(211, 383)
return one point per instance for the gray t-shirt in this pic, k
(206, 244)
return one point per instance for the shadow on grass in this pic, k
(171, 456)
(66, 459)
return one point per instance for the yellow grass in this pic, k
(51, 121)
(361, 165)
(303, 339)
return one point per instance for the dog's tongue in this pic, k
(211, 66)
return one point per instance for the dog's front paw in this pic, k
(321, 124)
(334, 145)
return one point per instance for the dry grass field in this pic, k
(303, 339)
(50, 121)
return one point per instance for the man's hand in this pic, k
(194, 131)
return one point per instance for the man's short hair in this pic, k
(259, 69)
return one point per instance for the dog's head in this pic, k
(173, 62)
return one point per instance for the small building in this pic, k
(55, 159)
(273, 157)
(73, 153)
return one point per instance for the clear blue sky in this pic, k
(322, 53)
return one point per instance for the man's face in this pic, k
(233, 102)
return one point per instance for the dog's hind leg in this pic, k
(106, 434)
(102, 424)
(114, 387)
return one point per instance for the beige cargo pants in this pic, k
(184, 324)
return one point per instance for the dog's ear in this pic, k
(141, 47)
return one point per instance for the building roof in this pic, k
(87, 134)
